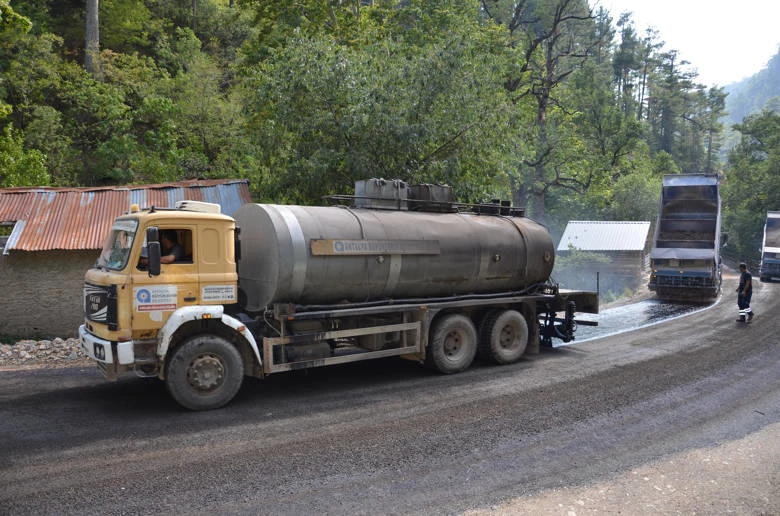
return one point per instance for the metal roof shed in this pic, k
(599, 236)
(47, 218)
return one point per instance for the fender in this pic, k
(194, 313)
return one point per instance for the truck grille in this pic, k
(100, 304)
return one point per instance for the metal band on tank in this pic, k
(525, 241)
(484, 262)
(299, 249)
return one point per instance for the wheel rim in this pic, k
(453, 344)
(206, 372)
(508, 337)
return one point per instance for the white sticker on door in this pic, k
(155, 298)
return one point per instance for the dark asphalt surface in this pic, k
(390, 437)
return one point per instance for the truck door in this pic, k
(216, 264)
(156, 297)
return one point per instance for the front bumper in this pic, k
(112, 357)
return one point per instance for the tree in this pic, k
(752, 185)
(554, 38)
(714, 109)
(20, 167)
(625, 62)
(12, 22)
(92, 47)
(418, 98)
(542, 100)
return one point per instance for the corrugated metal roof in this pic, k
(605, 236)
(80, 218)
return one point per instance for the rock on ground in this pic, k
(41, 353)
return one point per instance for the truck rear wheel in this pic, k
(204, 373)
(503, 337)
(453, 344)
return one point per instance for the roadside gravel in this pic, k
(42, 353)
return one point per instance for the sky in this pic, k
(724, 40)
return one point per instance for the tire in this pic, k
(503, 337)
(204, 373)
(452, 345)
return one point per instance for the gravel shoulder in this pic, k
(48, 353)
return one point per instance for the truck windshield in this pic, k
(118, 244)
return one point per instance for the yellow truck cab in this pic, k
(135, 304)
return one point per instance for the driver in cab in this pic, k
(171, 249)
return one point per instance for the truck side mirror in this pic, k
(724, 239)
(153, 250)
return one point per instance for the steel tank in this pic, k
(319, 255)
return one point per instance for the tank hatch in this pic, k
(381, 194)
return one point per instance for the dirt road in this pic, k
(679, 417)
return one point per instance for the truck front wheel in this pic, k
(204, 373)
(453, 344)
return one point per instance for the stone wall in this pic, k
(42, 292)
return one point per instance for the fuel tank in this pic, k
(321, 255)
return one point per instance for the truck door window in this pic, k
(176, 245)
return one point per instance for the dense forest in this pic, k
(556, 105)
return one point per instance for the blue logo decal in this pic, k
(143, 296)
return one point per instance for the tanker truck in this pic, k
(393, 271)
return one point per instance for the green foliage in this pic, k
(132, 26)
(576, 258)
(47, 133)
(570, 113)
(635, 197)
(11, 22)
(328, 114)
(20, 167)
(752, 185)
